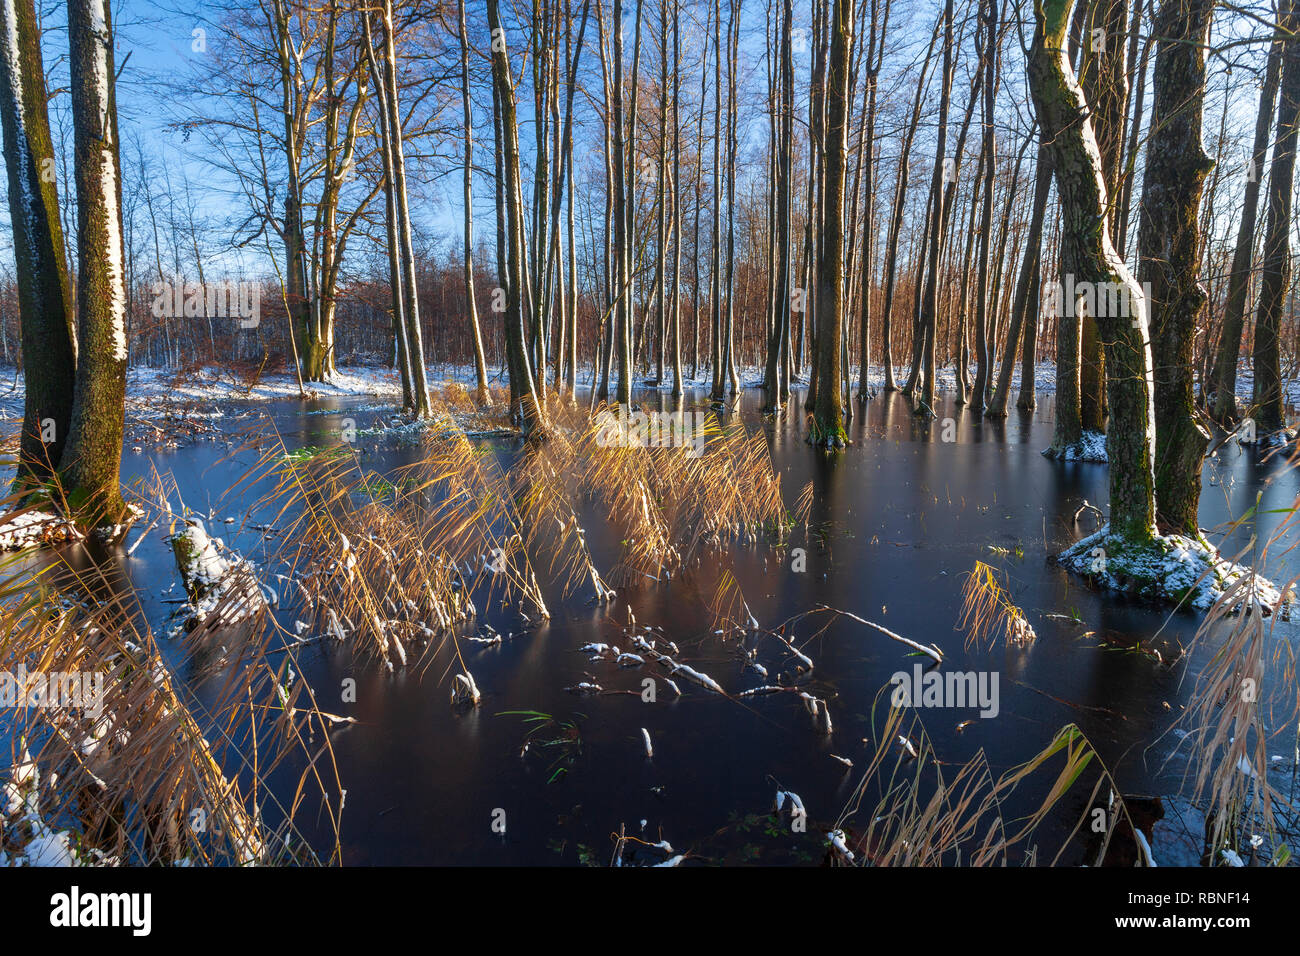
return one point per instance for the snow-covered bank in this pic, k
(151, 392)
(1174, 568)
(150, 386)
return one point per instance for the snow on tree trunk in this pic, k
(217, 581)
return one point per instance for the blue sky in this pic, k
(155, 40)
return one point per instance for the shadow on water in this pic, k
(897, 520)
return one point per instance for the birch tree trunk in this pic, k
(92, 460)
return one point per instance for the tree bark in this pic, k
(1087, 252)
(828, 423)
(1105, 87)
(1275, 281)
(525, 408)
(91, 464)
(1169, 255)
(44, 290)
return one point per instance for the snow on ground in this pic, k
(1246, 387)
(22, 529)
(152, 391)
(29, 838)
(1091, 446)
(1176, 569)
(148, 386)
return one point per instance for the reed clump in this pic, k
(131, 751)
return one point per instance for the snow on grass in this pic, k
(25, 529)
(28, 838)
(1172, 568)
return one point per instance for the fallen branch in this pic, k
(932, 651)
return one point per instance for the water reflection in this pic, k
(897, 519)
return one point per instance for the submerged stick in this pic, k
(932, 651)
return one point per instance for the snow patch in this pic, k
(1172, 568)
(25, 529)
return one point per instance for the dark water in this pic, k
(898, 519)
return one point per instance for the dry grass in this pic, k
(169, 770)
(987, 611)
(1244, 698)
(923, 814)
(389, 563)
(394, 565)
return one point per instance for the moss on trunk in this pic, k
(1087, 252)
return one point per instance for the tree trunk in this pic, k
(1105, 87)
(783, 145)
(44, 291)
(983, 347)
(929, 315)
(411, 305)
(896, 217)
(1169, 255)
(1275, 281)
(1087, 252)
(92, 460)
(1224, 378)
(401, 348)
(1023, 306)
(828, 422)
(480, 361)
(525, 408)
